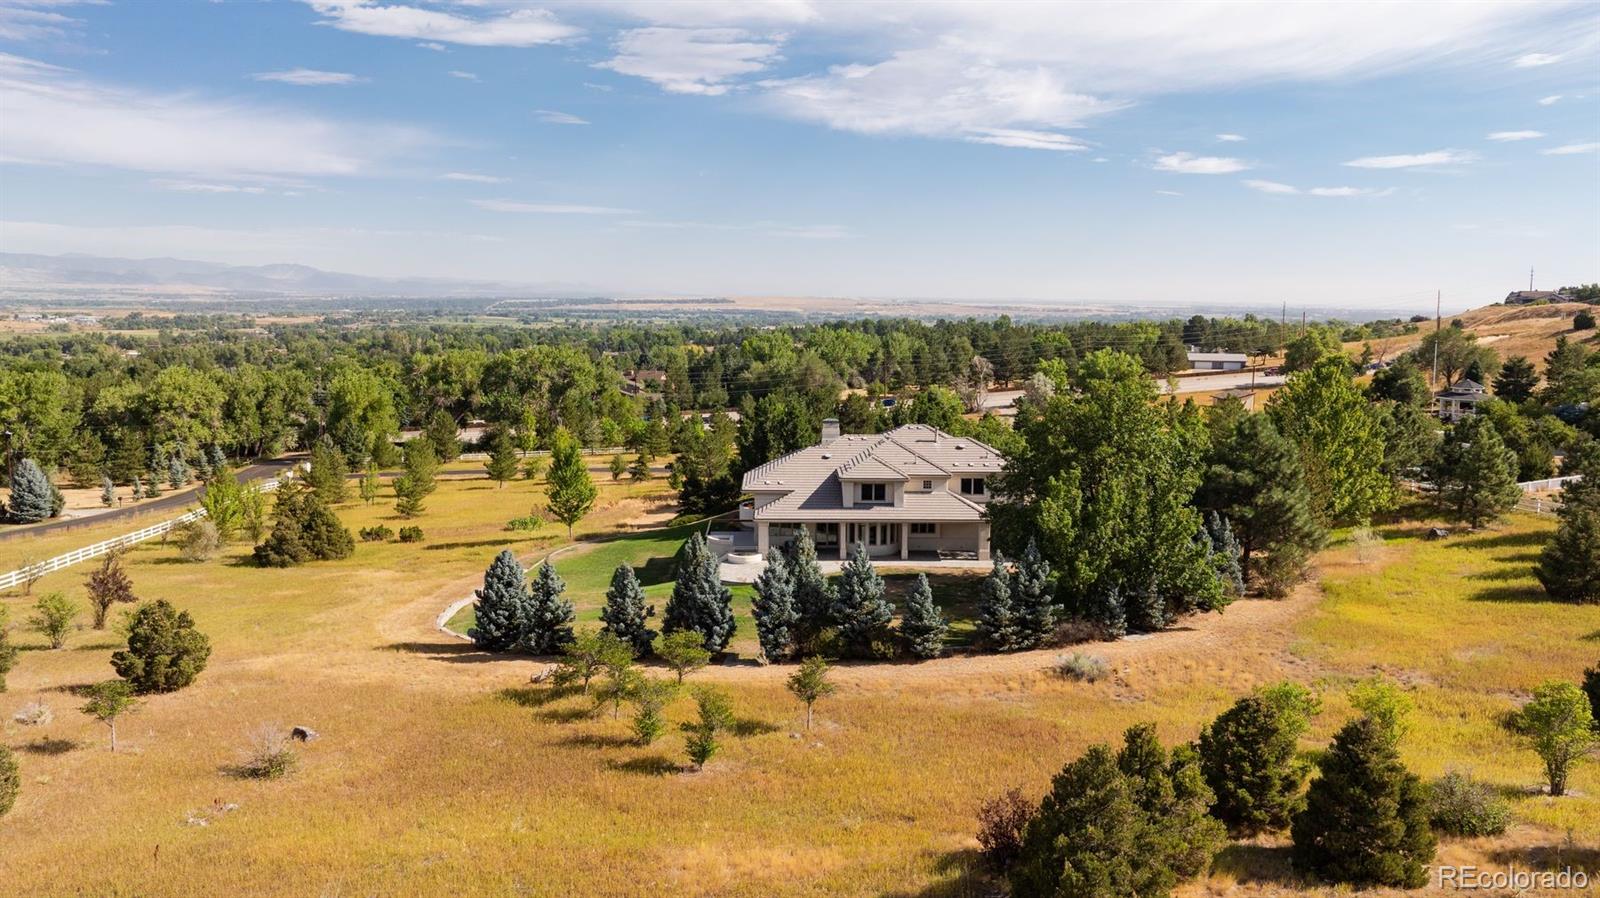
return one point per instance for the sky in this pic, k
(1357, 154)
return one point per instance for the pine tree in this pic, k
(861, 610)
(625, 613)
(619, 467)
(10, 780)
(419, 480)
(699, 601)
(1255, 480)
(502, 606)
(8, 652)
(1248, 757)
(639, 468)
(31, 496)
(328, 472)
(441, 431)
(1475, 473)
(1365, 821)
(813, 594)
(998, 625)
(138, 488)
(549, 618)
(1569, 565)
(1145, 608)
(774, 608)
(202, 467)
(1032, 597)
(1102, 604)
(303, 529)
(922, 626)
(1226, 553)
(108, 492)
(502, 462)
(219, 460)
(1516, 381)
(165, 652)
(177, 471)
(570, 492)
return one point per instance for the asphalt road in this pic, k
(165, 502)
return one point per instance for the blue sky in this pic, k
(1352, 154)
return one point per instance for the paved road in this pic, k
(166, 502)
(999, 400)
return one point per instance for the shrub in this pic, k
(700, 734)
(376, 533)
(10, 780)
(199, 541)
(8, 652)
(269, 755)
(650, 698)
(165, 652)
(1248, 757)
(1369, 545)
(1458, 805)
(1559, 726)
(526, 523)
(1078, 666)
(1583, 321)
(108, 585)
(1001, 821)
(34, 714)
(52, 618)
(305, 529)
(411, 534)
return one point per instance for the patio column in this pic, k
(905, 541)
(983, 541)
(763, 537)
(844, 541)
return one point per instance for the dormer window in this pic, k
(927, 485)
(873, 492)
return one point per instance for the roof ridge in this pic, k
(867, 452)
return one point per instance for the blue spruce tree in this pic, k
(549, 618)
(813, 594)
(1102, 604)
(699, 601)
(625, 613)
(922, 626)
(861, 610)
(1146, 608)
(1033, 598)
(774, 608)
(501, 610)
(1228, 554)
(998, 624)
(33, 497)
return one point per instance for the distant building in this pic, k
(1529, 297)
(1460, 400)
(1245, 396)
(1218, 361)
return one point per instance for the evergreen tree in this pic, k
(177, 471)
(219, 461)
(1146, 611)
(922, 626)
(138, 488)
(774, 608)
(626, 613)
(8, 652)
(619, 467)
(1254, 480)
(861, 610)
(420, 478)
(1226, 553)
(503, 460)
(1102, 604)
(503, 605)
(328, 472)
(1365, 820)
(108, 492)
(10, 780)
(443, 435)
(303, 529)
(165, 652)
(202, 467)
(1516, 381)
(570, 492)
(699, 601)
(31, 494)
(813, 594)
(1569, 565)
(1032, 598)
(639, 469)
(1475, 475)
(549, 618)
(998, 623)
(1248, 757)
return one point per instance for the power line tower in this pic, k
(1530, 278)
(1438, 321)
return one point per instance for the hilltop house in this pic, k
(1460, 400)
(914, 489)
(1528, 297)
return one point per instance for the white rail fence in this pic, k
(1553, 483)
(29, 573)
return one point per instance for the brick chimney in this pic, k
(830, 430)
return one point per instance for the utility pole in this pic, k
(1437, 320)
(1530, 278)
(1302, 321)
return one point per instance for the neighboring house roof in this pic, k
(1466, 391)
(813, 478)
(1218, 357)
(1519, 297)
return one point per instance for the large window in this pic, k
(873, 492)
(972, 486)
(920, 528)
(827, 535)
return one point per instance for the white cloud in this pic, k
(1270, 186)
(464, 76)
(1573, 149)
(307, 77)
(34, 20)
(207, 187)
(1231, 138)
(434, 46)
(1415, 160)
(1190, 164)
(1169, 192)
(1533, 60)
(768, 228)
(1027, 140)
(1551, 100)
(552, 117)
(1506, 136)
(550, 208)
(691, 60)
(471, 177)
(53, 116)
(516, 28)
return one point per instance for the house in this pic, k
(1460, 400)
(914, 489)
(1218, 361)
(1528, 297)
(644, 382)
(1245, 396)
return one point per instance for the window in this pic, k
(827, 535)
(972, 486)
(919, 528)
(873, 492)
(927, 485)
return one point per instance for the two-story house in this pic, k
(914, 489)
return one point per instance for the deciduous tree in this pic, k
(1559, 726)
(1340, 441)
(571, 492)
(108, 585)
(810, 684)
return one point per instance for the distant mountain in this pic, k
(29, 271)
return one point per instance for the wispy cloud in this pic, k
(1028, 140)
(550, 208)
(1170, 192)
(207, 187)
(517, 28)
(1190, 164)
(1275, 187)
(691, 60)
(552, 117)
(471, 177)
(1507, 136)
(464, 76)
(1573, 149)
(33, 20)
(1231, 138)
(1270, 186)
(768, 228)
(434, 46)
(1434, 159)
(1534, 60)
(308, 77)
(1551, 100)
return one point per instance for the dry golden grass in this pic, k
(441, 772)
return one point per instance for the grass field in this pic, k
(441, 771)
